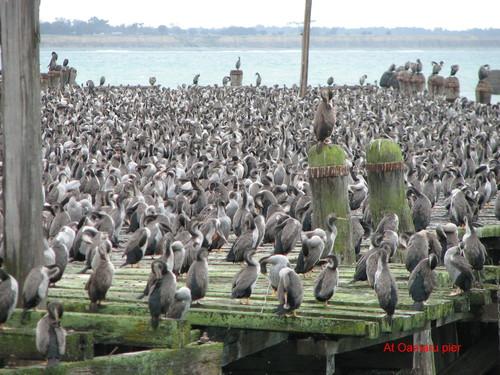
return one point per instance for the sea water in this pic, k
(174, 67)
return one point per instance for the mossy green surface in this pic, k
(329, 195)
(21, 344)
(383, 151)
(327, 155)
(204, 359)
(118, 329)
(387, 191)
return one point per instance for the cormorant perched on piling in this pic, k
(329, 81)
(484, 71)
(102, 81)
(387, 79)
(196, 79)
(238, 63)
(436, 68)
(50, 335)
(454, 69)
(325, 117)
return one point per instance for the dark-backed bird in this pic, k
(459, 269)
(385, 287)
(327, 281)
(8, 296)
(161, 291)
(422, 281)
(474, 251)
(329, 81)
(50, 335)
(197, 276)
(244, 281)
(258, 80)
(100, 280)
(226, 80)
(484, 72)
(102, 81)
(152, 81)
(324, 118)
(421, 208)
(238, 63)
(416, 250)
(310, 253)
(290, 292)
(196, 79)
(454, 69)
(35, 288)
(136, 246)
(362, 79)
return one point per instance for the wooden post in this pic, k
(22, 182)
(54, 79)
(328, 179)
(423, 361)
(483, 92)
(236, 77)
(387, 191)
(305, 48)
(44, 81)
(417, 83)
(451, 88)
(72, 76)
(494, 80)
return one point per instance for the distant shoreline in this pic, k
(267, 41)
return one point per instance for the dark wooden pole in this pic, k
(305, 49)
(22, 182)
(328, 174)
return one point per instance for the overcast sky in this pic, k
(453, 15)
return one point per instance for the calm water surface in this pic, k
(276, 66)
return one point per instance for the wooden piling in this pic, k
(417, 83)
(435, 85)
(451, 88)
(483, 92)
(423, 360)
(22, 182)
(44, 81)
(328, 179)
(236, 77)
(387, 191)
(72, 76)
(54, 79)
(404, 78)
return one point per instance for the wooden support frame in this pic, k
(305, 49)
(22, 182)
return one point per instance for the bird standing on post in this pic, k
(238, 63)
(324, 119)
(196, 79)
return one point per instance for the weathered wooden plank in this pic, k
(203, 359)
(22, 181)
(121, 329)
(21, 344)
(271, 322)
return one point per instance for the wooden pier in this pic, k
(352, 321)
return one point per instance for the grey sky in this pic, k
(447, 14)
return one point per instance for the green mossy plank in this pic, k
(387, 191)
(20, 343)
(200, 359)
(271, 322)
(330, 195)
(113, 329)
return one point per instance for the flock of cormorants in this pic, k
(178, 173)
